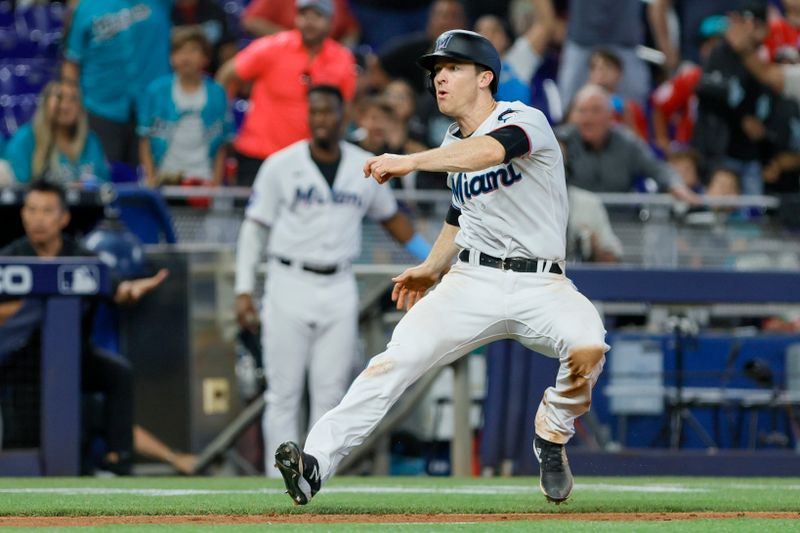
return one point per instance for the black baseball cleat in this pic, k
(300, 472)
(555, 477)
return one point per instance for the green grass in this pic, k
(549, 526)
(249, 496)
(256, 496)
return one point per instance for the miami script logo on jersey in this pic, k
(465, 187)
(313, 196)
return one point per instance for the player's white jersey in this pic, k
(310, 220)
(515, 209)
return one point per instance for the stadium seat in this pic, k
(145, 212)
(123, 173)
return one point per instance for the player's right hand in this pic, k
(387, 166)
(411, 285)
(246, 315)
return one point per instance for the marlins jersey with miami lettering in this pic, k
(518, 208)
(309, 219)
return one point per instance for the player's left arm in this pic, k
(411, 285)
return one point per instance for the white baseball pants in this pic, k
(472, 306)
(310, 325)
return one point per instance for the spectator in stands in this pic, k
(380, 130)
(732, 110)
(781, 154)
(781, 78)
(605, 157)
(691, 15)
(214, 21)
(725, 182)
(674, 102)
(393, 59)
(613, 24)
(184, 121)
(57, 144)
(409, 128)
(590, 236)
(393, 62)
(406, 133)
(6, 174)
(100, 55)
(521, 56)
(115, 48)
(151, 24)
(282, 67)
(686, 163)
(373, 122)
(383, 20)
(44, 217)
(783, 33)
(266, 17)
(605, 70)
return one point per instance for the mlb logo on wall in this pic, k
(78, 279)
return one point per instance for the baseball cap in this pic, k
(325, 7)
(713, 26)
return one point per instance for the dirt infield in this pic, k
(77, 521)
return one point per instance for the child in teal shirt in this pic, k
(184, 120)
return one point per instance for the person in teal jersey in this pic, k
(151, 29)
(58, 144)
(101, 48)
(116, 48)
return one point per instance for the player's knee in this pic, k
(585, 360)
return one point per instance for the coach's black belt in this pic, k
(517, 264)
(324, 271)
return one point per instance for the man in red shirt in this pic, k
(784, 30)
(282, 67)
(266, 17)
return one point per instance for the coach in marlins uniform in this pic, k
(306, 208)
(507, 226)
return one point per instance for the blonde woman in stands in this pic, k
(57, 144)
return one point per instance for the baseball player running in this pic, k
(306, 208)
(507, 226)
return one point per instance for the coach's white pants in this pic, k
(310, 325)
(474, 305)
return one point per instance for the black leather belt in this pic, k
(517, 264)
(323, 271)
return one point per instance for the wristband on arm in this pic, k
(418, 246)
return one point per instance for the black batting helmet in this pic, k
(466, 46)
